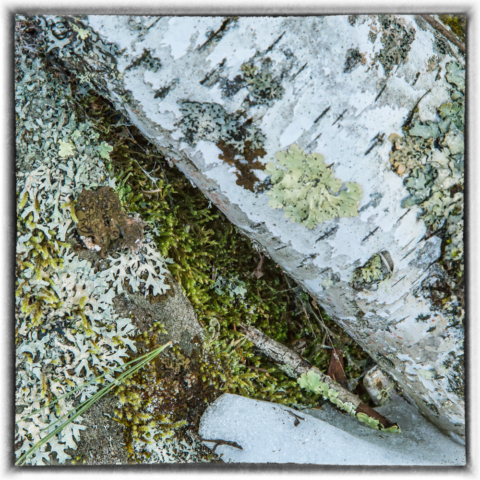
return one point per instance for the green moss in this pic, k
(204, 247)
(457, 23)
(307, 190)
(200, 242)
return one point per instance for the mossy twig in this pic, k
(295, 366)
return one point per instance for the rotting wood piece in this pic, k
(295, 366)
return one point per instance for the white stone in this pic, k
(267, 434)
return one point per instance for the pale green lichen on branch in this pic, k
(311, 381)
(306, 188)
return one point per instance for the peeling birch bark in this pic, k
(220, 96)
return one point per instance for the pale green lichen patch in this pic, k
(312, 382)
(306, 188)
(104, 150)
(371, 422)
(81, 32)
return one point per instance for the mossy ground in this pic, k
(203, 246)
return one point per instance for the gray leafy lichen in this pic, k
(431, 157)
(305, 187)
(240, 140)
(396, 40)
(261, 86)
(211, 122)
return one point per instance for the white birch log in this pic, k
(337, 86)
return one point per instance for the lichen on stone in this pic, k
(305, 187)
(102, 222)
(66, 328)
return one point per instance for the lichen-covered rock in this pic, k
(378, 386)
(102, 222)
(255, 87)
(66, 329)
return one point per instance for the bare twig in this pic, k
(152, 191)
(444, 31)
(221, 442)
(297, 418)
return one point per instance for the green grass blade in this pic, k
(88, 403)
(146, 358)
(120, 367)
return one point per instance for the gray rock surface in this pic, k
(268, 433)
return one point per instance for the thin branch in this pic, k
(444, 31)
(222, 442)
(152, 191)
(295, 366)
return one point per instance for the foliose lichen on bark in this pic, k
(305, 187)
